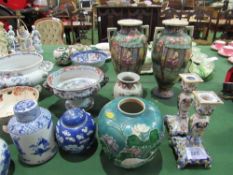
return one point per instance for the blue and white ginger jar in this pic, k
(130, 130)
(32, 131)
(75, 131)
(4, 158)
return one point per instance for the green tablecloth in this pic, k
(218, 138)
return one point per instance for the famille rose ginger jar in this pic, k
(128, 46)
(31, 129)
(130, 130)
(75, 131)
(4, 158)
(171, 52)
(127, 85)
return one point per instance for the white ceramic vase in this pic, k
(32, 131)
(128, 85)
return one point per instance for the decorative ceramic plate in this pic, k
(75, 78)
(214, 47)
(10, 96)
(89, 57)
(105, 48)
(230, 59)
(222, 53)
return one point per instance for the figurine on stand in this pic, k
(3, 41)
(36, 40)
(178, 124)
(24, 39)
(189, 149)
(11, 39)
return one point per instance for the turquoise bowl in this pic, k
(130, 130)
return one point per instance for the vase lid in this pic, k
(74, 117)
(175, 22)
(26, 110)
(129, 22)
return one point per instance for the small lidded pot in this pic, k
(31, 129)
(62, 56)
(75, 131)
(127, 85)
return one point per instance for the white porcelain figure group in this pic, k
(186, 131)
(23, 41)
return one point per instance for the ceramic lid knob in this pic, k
(26, 110)
(73, 117)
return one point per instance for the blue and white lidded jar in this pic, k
(32, 131)
(4, 158)
(75, 131)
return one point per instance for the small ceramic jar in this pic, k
(4, 158)
(128, 85)
(31, 129)
(75, 131)
(62, 56)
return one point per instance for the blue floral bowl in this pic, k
(90, 57)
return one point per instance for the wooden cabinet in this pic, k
(108, 16)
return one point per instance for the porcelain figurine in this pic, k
(127, 85)
(36, 40)
(5, 158)
(24, 39)
(130, 130)
(75, 131)
(178, 124)
(11, 39)
(3, 41)
(31, 129)
(77, 85)
(189, 149)
(171, 52)
(62, 55)
(128, 46)
(26, 69)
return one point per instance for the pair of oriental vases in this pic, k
(171, 50)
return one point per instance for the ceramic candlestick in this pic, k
(189, 149)
(178, 124)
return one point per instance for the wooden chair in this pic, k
(201, 20)
(169, 13)
(223, 24)
(51, 30)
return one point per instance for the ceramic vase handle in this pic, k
(109, 32)
(46, 66)
(157, 31)
(146, 30)
(190, 30)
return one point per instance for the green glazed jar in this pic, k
(130, 131)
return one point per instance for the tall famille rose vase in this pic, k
(128, 46)
(171, 51)
(130, 131)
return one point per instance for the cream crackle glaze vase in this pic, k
(130, 131)
(128, 46)
(171, 52)
(32, 131)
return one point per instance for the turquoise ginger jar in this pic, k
(75, 131)
(31, 129)
(130, 130)
(5, 158)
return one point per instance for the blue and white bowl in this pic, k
(90, 57)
